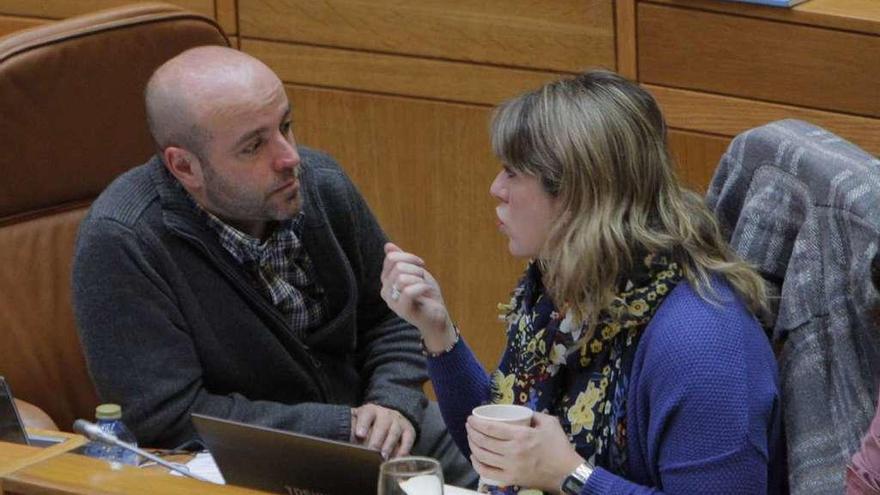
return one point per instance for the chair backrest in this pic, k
(71, 119)
(803, 206)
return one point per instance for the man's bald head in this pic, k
(187, 88)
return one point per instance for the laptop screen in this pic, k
(11, 429)
(286, 462)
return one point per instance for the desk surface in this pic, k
(28, 470)
(76, 474)
(14, 457)
(11, 454)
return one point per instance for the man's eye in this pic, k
(252, 148)
(510, 172)
(285, 127)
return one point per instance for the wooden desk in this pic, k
(14, 457)
(76, 474)
(33, 471)
(11, 455)
(28, 470)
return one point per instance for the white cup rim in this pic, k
(513, 412)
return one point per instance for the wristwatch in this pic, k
(575, 481)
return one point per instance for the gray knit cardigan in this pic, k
(171, 325)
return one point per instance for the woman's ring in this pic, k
(395, 293)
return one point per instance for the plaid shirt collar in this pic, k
(285, 237)
(280, 267)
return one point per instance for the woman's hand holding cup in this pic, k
(510, 446)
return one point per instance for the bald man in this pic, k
(236, 274)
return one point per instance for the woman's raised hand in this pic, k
(411, 291)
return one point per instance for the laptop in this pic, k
(11, 428)
(285, 462)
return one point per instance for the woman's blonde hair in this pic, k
(598, 143)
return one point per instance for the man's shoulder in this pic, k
(322, 169)
(328, 187)
(127, 199)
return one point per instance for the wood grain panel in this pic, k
(227, 16)
(59, 9)
(392, 74)
(771, 61)
(12, 24)
(849, 15)
(425, 169)
(697, 156)
(625, 23)
(562, 35)
(726, 116)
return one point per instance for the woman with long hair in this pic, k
(632, 333)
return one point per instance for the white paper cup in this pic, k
(504, 413)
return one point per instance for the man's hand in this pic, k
(382, 429)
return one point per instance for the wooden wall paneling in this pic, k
(394, 74)
(59, 9)
(727, 116)
(227, 16)
(12, 24)
(562, 35)
(849, 15)
(625, 28)
(760, 59)
(425, 169)
(697, 156)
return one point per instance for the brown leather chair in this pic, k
(34, 417)
(71, 119)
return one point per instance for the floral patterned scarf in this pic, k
(583, 382)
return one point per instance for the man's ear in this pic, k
(185, 166)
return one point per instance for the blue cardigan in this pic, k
(703, 410)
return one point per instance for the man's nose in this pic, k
(288, 156)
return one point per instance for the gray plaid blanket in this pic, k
(803, 206)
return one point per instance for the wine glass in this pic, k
(411, 476)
